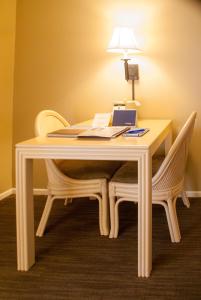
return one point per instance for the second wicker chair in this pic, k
(167, 183)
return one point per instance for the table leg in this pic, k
(24, 213)
(144, 215)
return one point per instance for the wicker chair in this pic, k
(68, 179)
(167, 183)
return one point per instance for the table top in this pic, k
(158, 129)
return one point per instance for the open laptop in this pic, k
(127, 117)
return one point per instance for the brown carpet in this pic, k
(74, 262)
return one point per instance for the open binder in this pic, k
(66, 132)
(105, 132)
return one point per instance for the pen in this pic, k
(136, 130)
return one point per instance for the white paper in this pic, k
(101, 120)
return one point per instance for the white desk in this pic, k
(138, 149)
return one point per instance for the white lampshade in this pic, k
(123, 41)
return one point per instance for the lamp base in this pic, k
(131, 70)
(132, 104)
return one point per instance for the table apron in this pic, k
(82, 154)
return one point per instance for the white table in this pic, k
(138, 149)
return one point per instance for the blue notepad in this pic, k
(127, 117)
(136, 132)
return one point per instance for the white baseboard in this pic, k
(40, 192)
(193, 194)
(12, 191)
(7, 193)
(37, 192)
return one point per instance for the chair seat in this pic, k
(85, 170)
(128, 172)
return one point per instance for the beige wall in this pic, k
(61, 63)
(7, 37)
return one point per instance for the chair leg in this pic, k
(105, 217)
(174, 220)
(185, 199)
(168, 218)
(112, 216)
(67, 200)
(116, 219)
(45, 216)
(100, 212)
(114, 209)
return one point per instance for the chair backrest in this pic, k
(48, 121)
(171, 172)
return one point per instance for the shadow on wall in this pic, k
(195, 1)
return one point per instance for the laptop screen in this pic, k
(127, 117)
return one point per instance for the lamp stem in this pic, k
(133, 89)
(126, 68)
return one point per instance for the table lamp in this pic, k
(123, 41)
